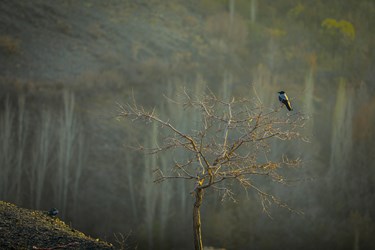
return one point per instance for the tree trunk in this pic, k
(356, 239)
(231, 12)
(197, 219)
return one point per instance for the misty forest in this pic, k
(136, 118)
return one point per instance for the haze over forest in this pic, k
(66, 65)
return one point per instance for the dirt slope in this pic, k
(30, 229)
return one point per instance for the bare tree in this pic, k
(129, 162)
(7, 121)
(253, 10)
(230, 145)
(149, 192)
(42, 155)
(71, 153)
(21, 146)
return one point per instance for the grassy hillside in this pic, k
(30, 229)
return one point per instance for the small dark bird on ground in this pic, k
(53, 212)
(283, 98)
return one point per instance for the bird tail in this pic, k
(288, 106)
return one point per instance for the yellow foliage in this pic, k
(329, 23)
(296, 11)
(344, 27)
(347, 29)
(276, 33)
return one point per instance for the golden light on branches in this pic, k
(229, 144)
(231, 137)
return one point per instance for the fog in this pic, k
(65, 66)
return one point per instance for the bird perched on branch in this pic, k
(283, 98)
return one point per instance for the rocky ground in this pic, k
(31, 229)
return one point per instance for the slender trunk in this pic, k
(231, 11)
(132, 192)
(6, 140)
(197, 219)
(356, 239)
(253, 10)
(21, 136)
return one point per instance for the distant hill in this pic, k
(31, 229)
(60, 41)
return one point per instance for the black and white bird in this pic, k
(53, 212)
(283, 98)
